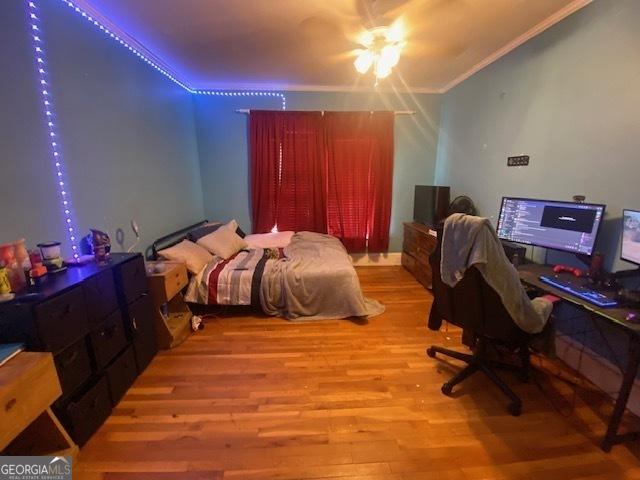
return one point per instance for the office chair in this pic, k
(476, 308)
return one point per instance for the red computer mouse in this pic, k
(565, 268)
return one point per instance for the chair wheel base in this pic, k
(447, 388)
(431, 352)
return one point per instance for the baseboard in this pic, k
(596, 369)
(376, 259)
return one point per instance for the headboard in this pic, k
(171, 239)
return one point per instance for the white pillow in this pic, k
(224, 242)
(269, 240)
(194, 256)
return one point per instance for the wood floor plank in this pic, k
(256, 397)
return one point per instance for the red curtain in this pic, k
(288, 171)
(360, 177)
(323, 173)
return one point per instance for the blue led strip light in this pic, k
(219, 93)
(166, 73)
(125, 44)
(45, 89)
(56, 155)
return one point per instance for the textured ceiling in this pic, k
(308, 44)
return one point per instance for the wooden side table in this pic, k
(28, 386)
(166, 286)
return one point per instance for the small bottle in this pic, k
(515, 260)
(22, 256)
(5, 286)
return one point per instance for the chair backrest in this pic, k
(472, 304)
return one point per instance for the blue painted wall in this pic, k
(127, 133)
(222, 140)
(570, 99)
(27, 193)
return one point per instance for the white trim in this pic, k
(287, 87)
(516, 42)
(376, 259)
(596, 369)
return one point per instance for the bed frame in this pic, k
(171, 239)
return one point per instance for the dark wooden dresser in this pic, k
(418, 244)
(98, 323)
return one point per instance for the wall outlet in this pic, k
(519, 161)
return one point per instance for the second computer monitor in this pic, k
(568, 226)
(631, 236)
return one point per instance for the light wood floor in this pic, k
(252, 397)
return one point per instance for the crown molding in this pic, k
(287, 87)
(548, 22)
(89, 9)
(515, 43)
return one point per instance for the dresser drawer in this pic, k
(175, 280)
(132, 279)
(74, 366)
(140, 324)
(62, 320)
(84, 414)
(108, 339)
(408, 262)
(100, 295)
(28, 385)
(121, 374)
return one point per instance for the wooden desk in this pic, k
(28, 386)
(529, 274)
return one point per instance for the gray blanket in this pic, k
(471, 241)
(316, 280)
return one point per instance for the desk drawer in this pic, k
(100, 294)
(108, 339)
(132, 279)
(74, 366)
(33, 387)
(84, 414)
(62, 320)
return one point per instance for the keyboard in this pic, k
(584, 293)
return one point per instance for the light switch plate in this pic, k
(518, 161)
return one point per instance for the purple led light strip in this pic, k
(165, 72)
(43, 84)
(49, 111)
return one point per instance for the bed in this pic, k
(306, 276)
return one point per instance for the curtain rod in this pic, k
(397, 112)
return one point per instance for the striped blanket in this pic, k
(235, 281)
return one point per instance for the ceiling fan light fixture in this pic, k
(383, 46)
(363, 61)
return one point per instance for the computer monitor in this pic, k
(631, 236)
(567, 226)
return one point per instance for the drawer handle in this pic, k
(60, 314)
(10, 404)
(72, 358)
(134, 324)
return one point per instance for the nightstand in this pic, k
(173, 322)
(28, 386)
